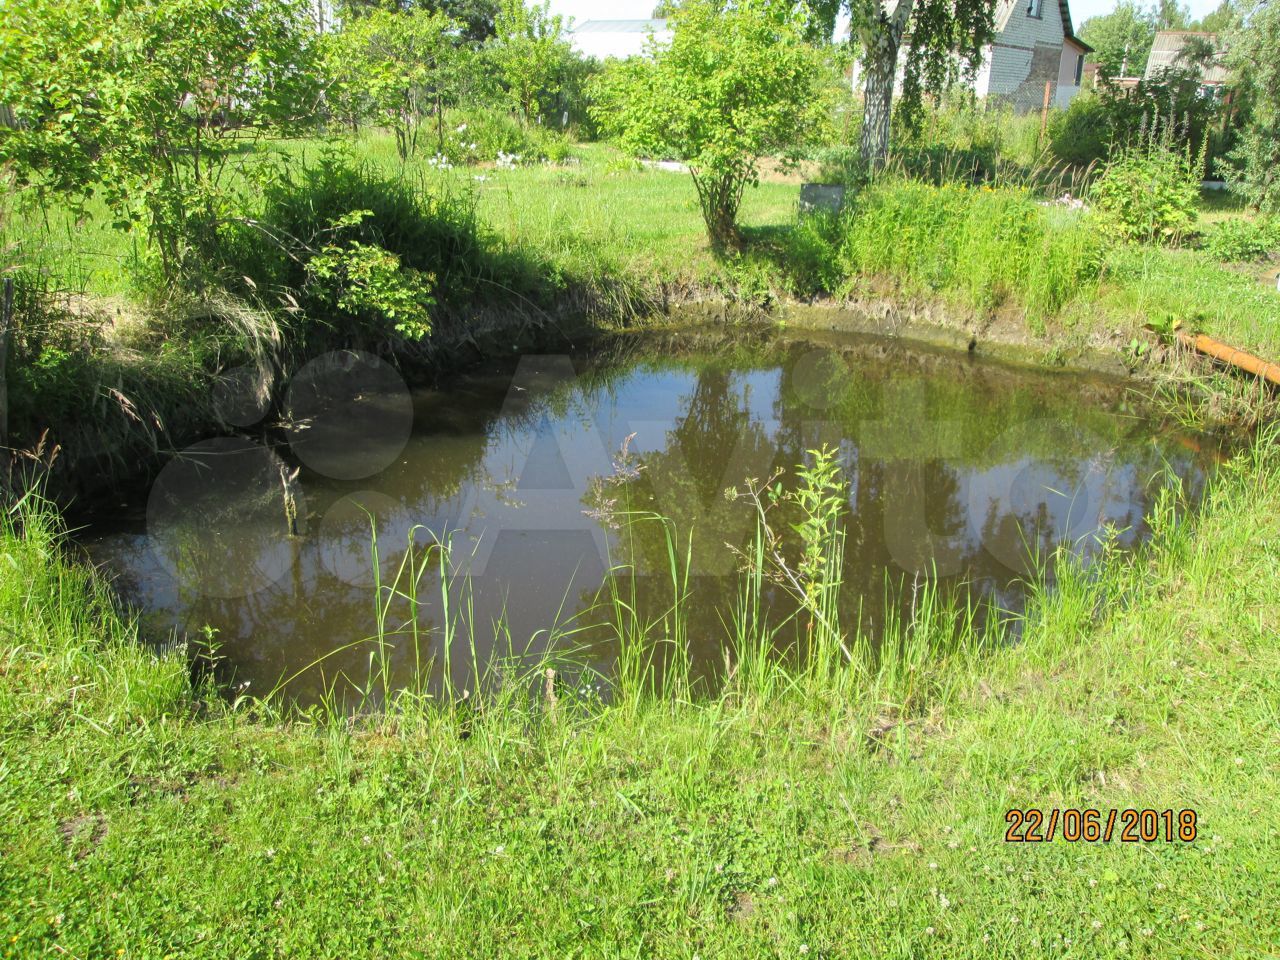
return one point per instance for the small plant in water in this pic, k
(814, 579)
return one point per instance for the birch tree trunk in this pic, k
(881, 44)
(877, 105)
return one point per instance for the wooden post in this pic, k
(1044, 111)
(6, 318)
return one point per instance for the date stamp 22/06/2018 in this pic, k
(1093, 826)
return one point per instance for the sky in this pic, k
(1081, 10)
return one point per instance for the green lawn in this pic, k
(600, 219)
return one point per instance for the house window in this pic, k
(1033, 8)
(1079, 69)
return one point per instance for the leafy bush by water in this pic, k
(1149, 192)
(363, 251)
(1238, 240)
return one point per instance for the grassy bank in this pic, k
(596, 234)
(802, 812)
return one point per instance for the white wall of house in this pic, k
(1031, 48)
(1027, 53)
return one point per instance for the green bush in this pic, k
(1237, 240)
(353, 246)
(1149, 191)
(1097, 123)
(1082, 134)
(486, 136)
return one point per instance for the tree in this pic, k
(1121, 40)
(530, 53)
(394, 67)
(144, 103)
(736, 82)
(1171, 15)
(476, 17)
(943, 40)
(1221, 19)
(1253, 56)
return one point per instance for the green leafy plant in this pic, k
(531, 55)
(1150, 190)
(396, 68)
(1254, 59)
(144, 104)
(1237, 240)
(1164, 325)
(737, 82)
(486, 135)
(369, 283)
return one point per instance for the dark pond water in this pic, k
(958, 468)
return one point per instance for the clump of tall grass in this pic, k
(425, 229)
(985, 247)
(64, 636)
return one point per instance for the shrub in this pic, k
(368, 282)
(1082, 133)
(482, 136)
(1149, 191)
(1237, 240)
(355, 247)
(733, 85)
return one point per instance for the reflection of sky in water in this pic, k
(509, 471)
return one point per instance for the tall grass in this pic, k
(61, 629)
(985, 247)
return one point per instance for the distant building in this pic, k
(603, 39)
(1034, 44)
(1170, 50)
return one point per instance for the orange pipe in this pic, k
(1236, 358)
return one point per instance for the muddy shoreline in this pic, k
(84, 478)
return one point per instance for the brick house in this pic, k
(1034, 44)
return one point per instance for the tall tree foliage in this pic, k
(143, 103)
(1121, 40)
(397, 68)
(531, 54)
(1222, 18)
(1254, 59)
(737, 81)
(476, 17)
(938, 42)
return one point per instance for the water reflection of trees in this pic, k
(969, 517)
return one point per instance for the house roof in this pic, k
(1068, 31)
(1168, 46)
(603, 39)
(1005, 11)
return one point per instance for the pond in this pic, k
(537, 470)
